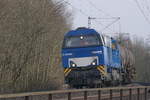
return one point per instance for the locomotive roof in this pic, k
(81, 31)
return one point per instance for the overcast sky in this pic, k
(132, 20)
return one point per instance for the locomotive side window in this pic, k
(107, 41)
(103, 39)
(82, 41)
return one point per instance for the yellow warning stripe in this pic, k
(102, 70)
(67, 72)
(99, 69)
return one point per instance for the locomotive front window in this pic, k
(81, 41)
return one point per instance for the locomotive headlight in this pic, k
(72, 64)
(94, 62)
(81, 37)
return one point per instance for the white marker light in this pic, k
(93, 63)
(81, 37)
(73, 65)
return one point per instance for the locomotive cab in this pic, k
(89, 58)
(80, 49)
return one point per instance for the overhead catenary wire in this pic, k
(98, 9)
(83, 13)
(108, 18)
(76, 8)
(111, 24)
(147, 6)
(103, 25)
(120, 26)
(143, 13)
(94, 19)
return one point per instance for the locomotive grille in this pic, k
(83, 61)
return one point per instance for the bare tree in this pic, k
(31, 32)
(141, 52)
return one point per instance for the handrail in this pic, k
(17, 95)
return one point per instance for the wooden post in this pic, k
(145, 94)
(69, 96)
(110, 94)
(85, 95)
(121, 94)
(99, 95)
(138, 93)
(50, 97)
(26, 97)
(130, 94)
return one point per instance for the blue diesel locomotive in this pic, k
(91, 59)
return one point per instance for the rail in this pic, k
(122, 91)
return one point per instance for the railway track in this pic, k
(115, 93)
